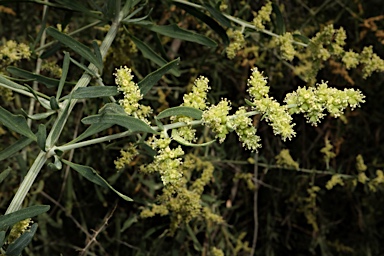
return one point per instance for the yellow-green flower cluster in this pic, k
(216, 252)
(350, 59)
(327, 151)
(286, 46)
(126, 157)
(18, 229)
(216, 117)
(276, 115)
(12, 52)
(257, 85)
(313, 101)
(328, 42)
(263, 15)
(237, 43)
(285, 159)
(244, 128)
(378, 180)
(167, 162)
(195, 99)
(371, 61)
(198, 96)
(335, 180)
(132, 94)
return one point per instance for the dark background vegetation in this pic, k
(350, 219)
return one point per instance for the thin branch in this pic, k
(255, 206)
(97, 232)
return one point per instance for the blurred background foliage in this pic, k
(296, 214)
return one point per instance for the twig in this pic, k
(97, 232)
(255, 208)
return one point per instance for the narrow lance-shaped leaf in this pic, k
(95, 92)
(91, 130)
(41, 136)
(91, 175)
(16, 248)
(181, 111)
(76, 46)
(175, 31)
(113, 113)
(15, 147)
(49, 82)
(207, 20)
(150, 80)
(151, 55)
(64, 74)
(16, 123)
(5, 173)
(280, 25)
(12, 218)
(217, 14)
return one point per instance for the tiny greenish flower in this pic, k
(285, 159)
(286, 46)
(335, 180)
(244, 128)
(313, 101)
(132, 94)
(263, 16)
(215, 117)
(18, 229)
(350, 59)
(237, 43)
(257, 85)
(371, 61)
(197, 98)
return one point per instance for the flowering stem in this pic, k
(243, 24)
(71, 146)
(58, 126)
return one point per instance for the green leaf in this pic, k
(64, 74)
(302, 38)
(2, 238)
(14, 148)
(15, 248)
(112, 113)
(91, 175)
(175, 31)
(181, 111)
(151, 55)
(76, 46)
(41, 136)
(34, 93)
(150, 80)
(10, 219)
(207, 20)
(218, 15)
(129, 4)
(39, 116)
(56, 130)
(11, 84)
(98, 55)
(53, 103)
(91, 130)
(77, 6)
(16, 123)
(83, 67)
(4, 174)
(280, 25)
(95, 92)
(49, 82)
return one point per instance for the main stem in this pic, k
(51, 139)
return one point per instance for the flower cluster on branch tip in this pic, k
(132, 94)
